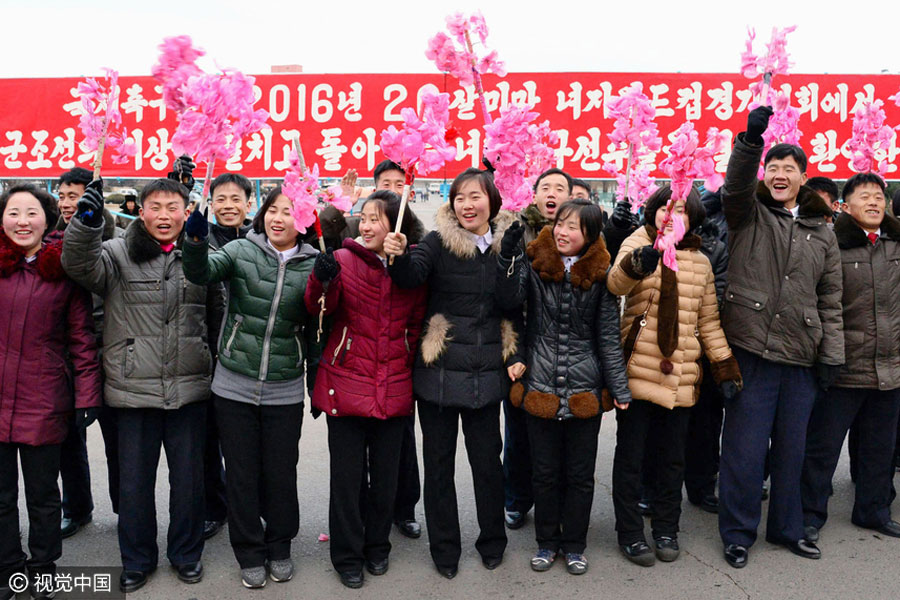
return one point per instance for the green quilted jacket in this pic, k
(267, 333)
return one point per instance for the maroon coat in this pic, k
(45, 318)
(366, 367)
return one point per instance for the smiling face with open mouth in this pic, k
(25, 222)
(69, 195)
(279, 221)
(230, 205)
(866, 204)
(552, 191)
(373, 227)
(783, 177)
(164, 214)
(473, 207)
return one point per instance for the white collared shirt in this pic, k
(795, 211)
(568, 261)
(31, 259)
(287, 254)
(484, 241)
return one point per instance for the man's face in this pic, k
(866, 205)
(69, 195)
(580, 193)
(784, 178)
(230, 205)
(163, 214)
(391, 180)
(551, 192)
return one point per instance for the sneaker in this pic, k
(639, 553)
(515, 519)
(667, 548)
(281, 570)
(543, 560)
(253, 577)
(576, 564)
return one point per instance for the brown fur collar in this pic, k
(811, 204)
(459, 241)
(48, 263)
(690, 241)
(141, 246)
(851, 235)
(590, 268)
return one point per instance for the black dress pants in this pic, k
(75, 473)
(481, 427)
(214, 471)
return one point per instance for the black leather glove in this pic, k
(757, 123)
(645, 260)
(326, 266)
(197, 226)
(509, 245)
(826, 374)
(85, 416)
(729, 389)
(183, 171)
(623, 218)
(89, 209)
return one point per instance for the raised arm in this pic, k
(412, 268)
(85, 259)
(739, 191)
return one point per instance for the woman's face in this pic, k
(677, 213)
(24, 222)
(373, 227)
(568, 235)
(473, 207)
(280, 224)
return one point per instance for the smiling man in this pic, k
(230, 205)
(867, 391)
(552, 188)
(782, 316)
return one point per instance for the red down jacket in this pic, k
(44, 318)
(366, 367)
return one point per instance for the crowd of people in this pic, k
(777, 333)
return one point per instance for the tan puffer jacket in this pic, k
(663, 363)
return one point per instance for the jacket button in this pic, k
(777, 316)
(756, 305)
(333, 410)
(331, 392)
(787, 277)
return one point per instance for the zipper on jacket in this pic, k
(337, 349)
(270, 324)
(238, 319)
(299, 345)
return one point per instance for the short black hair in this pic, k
(165, 186)
(824, 184)
(486, 179)
(76, 176)
(554, 171)
(259, 221)
(387, 203)
(779, 151)
(693, 207)
(236, 178)
(590, 217)
(862, 179)
(384, 166)
(580, 183)
(48, 202)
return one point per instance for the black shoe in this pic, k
(666, 547)
(804, 548)
(891, 528)
(131, 581)
(639, 553)
(352, 579)
(491, 562)
(737, 555)
(707, 502)
(515, 519)
(69, 527)
(448, 572)
(410, 528)
(377, 567)
(190, 572)
(645, 507)
(211, 528)
(811, 533)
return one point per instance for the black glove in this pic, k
(326, 266)
(89, 209)
(623, 218)
(729, 389)
(509, 245)
(826, 374)
(197, 225)
(182, 170)
(85, 416)
(645, 260)
(757, 123)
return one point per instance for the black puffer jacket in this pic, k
(467, 343)
(712, 202)
(572, 340)
(717, 252)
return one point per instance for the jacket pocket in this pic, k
(300, 352)
(813, 325)
(340, 346)
(226, 351)
(634, 333)
(141, 291)
(128, 361)
(753, 299)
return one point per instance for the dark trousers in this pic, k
(40, 466)
(875, 413)
(565, 453)
(643, 420)
(775, 404)
(142, 433)
(481, 428)
(360, 533)
(516, 460)
(409, 487)
(75, 473)
(261, 448)
(109, 427)
(214, 471)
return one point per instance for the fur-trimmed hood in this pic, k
(533, 218)
(141, 246)
(460, 242)
(811, 204)
(48, 263)
(850, 235)
(546, 260)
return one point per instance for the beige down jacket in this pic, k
(662, 362)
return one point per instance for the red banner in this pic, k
(340, 118)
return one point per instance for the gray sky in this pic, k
(50, 38)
